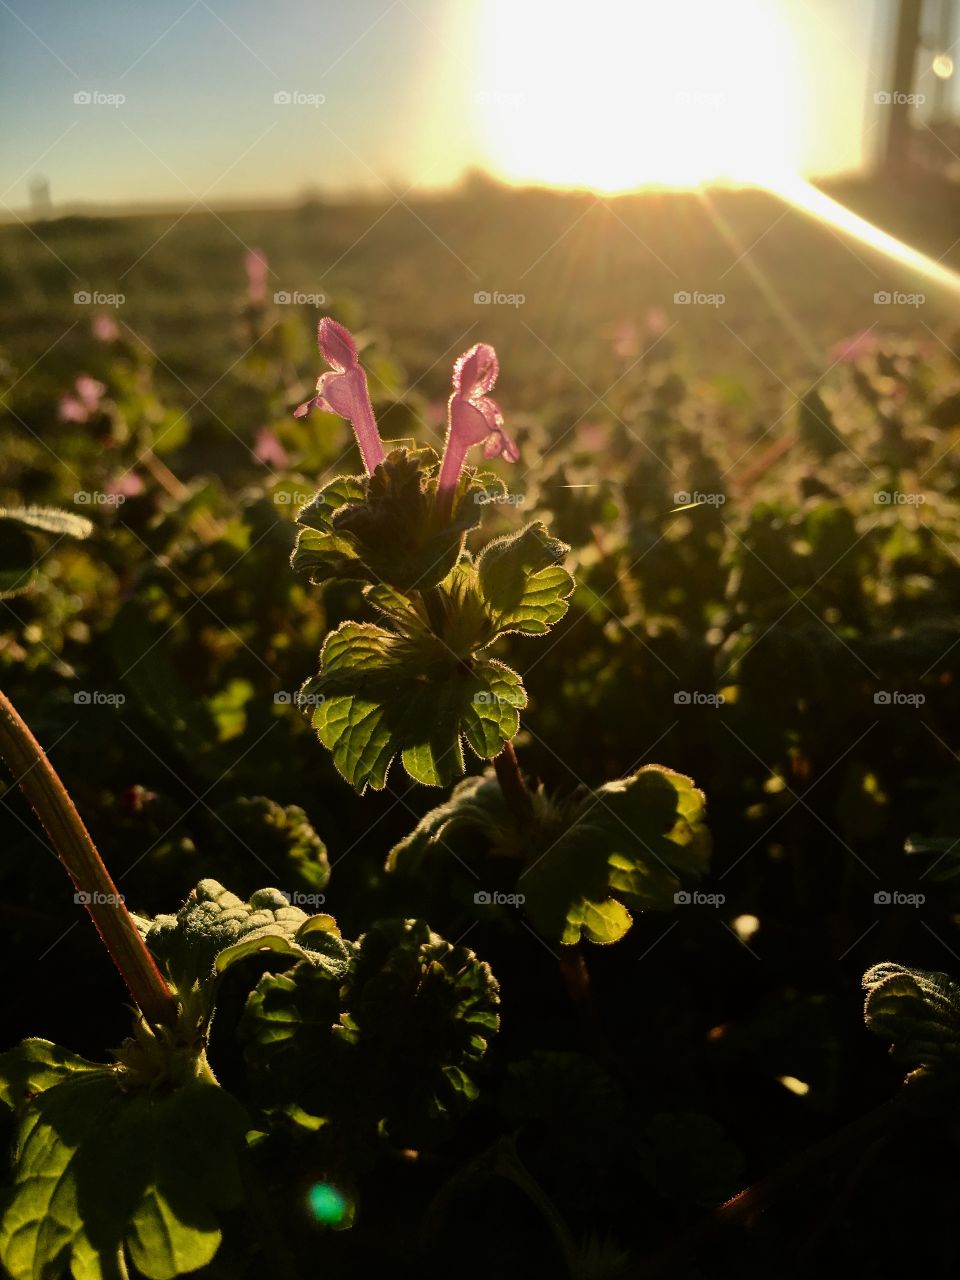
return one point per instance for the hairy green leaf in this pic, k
(475, 804)
(379, 694)
(623, 845)
(214, 929)
(916, 1010)
(382, 528)
(401, 1036)
(100, 1166)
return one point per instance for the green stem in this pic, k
(49, 800)
(436, 613)
(512, 784)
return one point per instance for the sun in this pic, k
(619, 94)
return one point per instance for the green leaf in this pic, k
(99, 1166)
(382, 528)
(475, 804)
(35, 1066)
(522, 583)
(214, 929)
(401, 1036)
(281, 838)
(379, 694)
(916, 1010)
(621, 845)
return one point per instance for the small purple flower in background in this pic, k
(83, 401)
(344, 391)
(105, 329)
(255, 264)
(853, 348)
(473, 419)
(127, 483)
(89, 392)
(268, 449)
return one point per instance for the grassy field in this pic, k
(789, 643)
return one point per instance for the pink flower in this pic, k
(268, 449)
(89, 392)
(77, 405)
(853, 348)
(255, 264)
(473, 419)
(127, 483)
(105, 329)
(71, 410)
(344, 391)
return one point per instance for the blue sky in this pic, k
(414, 91)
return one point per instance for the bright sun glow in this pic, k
(617, 94)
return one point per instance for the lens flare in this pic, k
(328, 1205)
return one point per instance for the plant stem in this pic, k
(876, 1124)
(49, 800)
(512, 784)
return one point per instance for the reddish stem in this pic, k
(877, 1124)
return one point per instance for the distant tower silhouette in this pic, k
(900, 88)
(41, 206)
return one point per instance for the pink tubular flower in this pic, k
(268, 449)
(473, 419)
(255, 264)
(344, 391)
(84, 400)
(89, 392)
(105, 328)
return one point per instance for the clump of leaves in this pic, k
(402, 1035)
(582, 861)
(280, 837)
(919, 1012)
(136, 1158)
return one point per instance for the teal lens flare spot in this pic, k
(327, 1205)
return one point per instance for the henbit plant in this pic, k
(421, 681)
